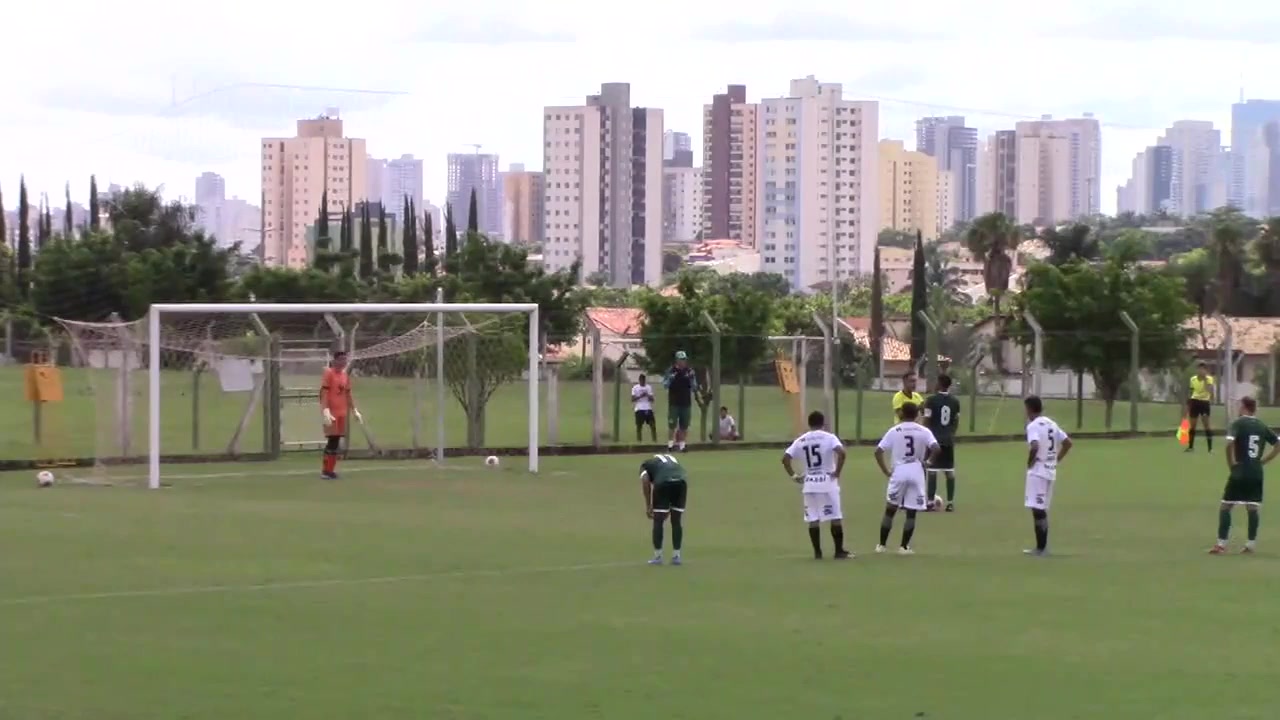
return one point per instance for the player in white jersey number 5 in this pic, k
(823, 456)
(911, 446)
(1047, 445)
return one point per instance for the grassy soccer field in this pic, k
(407, 592)
(78, 426)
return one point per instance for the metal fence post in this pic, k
(930, 363)
(1135, 361)
(1037, 385)
(1226, 370)
(715, 375)
(597, 387)
(828, 365)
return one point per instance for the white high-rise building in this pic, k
(1195, 145)
(603, 193)
(476, 172)
(682, 204)
(296, 172)
(404, 180)
(819, 170)
(1059, 170)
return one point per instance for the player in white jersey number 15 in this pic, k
(823, 457)
(1047, 445)
(911, 447)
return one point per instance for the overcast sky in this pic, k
(88, 89)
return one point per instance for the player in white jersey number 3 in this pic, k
(1047, 445)
(823, 457)
(911, 446)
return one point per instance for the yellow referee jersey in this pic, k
(1201, 389)
(900, 398)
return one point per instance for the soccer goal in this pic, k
(241, 381)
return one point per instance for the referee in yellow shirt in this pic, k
(906, 395)
(1199, 404)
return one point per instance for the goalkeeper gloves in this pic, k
(328, 416)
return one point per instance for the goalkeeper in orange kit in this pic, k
(335, 403)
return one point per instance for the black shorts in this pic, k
(1199, 408)
(670, 496)
(946, 459)
(645, 417)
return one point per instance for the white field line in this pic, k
(330, 583)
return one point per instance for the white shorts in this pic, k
(907, 488)
(1039, 491)
(822, 506)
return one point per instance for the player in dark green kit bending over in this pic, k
(1246, 439)
(666, 487)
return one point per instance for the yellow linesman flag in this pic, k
(1184, 432)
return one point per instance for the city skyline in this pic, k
(205, 105)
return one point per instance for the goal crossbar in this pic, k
(159, 310)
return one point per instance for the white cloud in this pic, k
(481, 72)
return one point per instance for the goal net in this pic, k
(238, 382)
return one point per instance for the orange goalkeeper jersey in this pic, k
(335, 391)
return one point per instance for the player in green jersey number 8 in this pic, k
(1245, 440)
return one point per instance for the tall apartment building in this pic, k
(478, 171)
(1195, 145)
(955, 145)
(909, 192)
(1133, 196)
(1059, 170)
(677, 149)
(730, 167)
(404, 180)
(819, 169)
(1248, 118)
(296, 172)
(681, 204)
(522, 194)
(603, 199)
(998, 175)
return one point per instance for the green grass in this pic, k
(408, 592)
(81, 425)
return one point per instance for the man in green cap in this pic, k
(681, 383)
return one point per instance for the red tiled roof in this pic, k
(619, 321)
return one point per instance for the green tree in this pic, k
(387, 260)
(411, 252)
(143, 220)
(889, 237)
(366, 243)
(919, 302)
(1077, 241)
(743, 314)
(473, 214)
(325, 258)
(44, 225)
(1079, 306)
(68, 225)
(346, 243)
(429, 261)
(672, 261)
(94, 210)
(990, 239)
(450, 234)
(24, 240)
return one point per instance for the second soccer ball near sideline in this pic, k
(491, 461)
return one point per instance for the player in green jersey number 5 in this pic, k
(1246, 439)
(666, 487)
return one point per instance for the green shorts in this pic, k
(670, 496)
(1243, 491)
(678, 416)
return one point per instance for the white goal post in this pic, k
(161, 313)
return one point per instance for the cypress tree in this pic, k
(877, 314)
(919, 301)
(45, 228)
(68, 227)
(450, 234)
(345, 242)
(410, 238)
(24, 240)
(4, 231)
(322, 223)
(366, 243)
(473, 215)
(93, 203)
(429, 245)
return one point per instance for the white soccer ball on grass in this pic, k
(491, 461)
(937, 502)
(44, 478)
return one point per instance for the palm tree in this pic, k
(990, 239)
(1076, 242)
(1227, 234)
